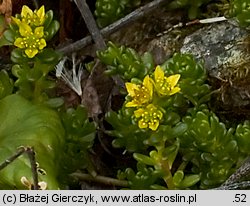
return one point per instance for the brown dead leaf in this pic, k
(91, 99)
(97, 91)
(6, 9)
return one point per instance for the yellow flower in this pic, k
(30, 41)
(140, 94)
(149, 117)
(165, 85)
(31, 18)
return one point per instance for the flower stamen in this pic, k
(149, 117)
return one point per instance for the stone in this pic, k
(224, 49)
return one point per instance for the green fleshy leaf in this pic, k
(9, 36)
(144, 159)
(48, 20)
(125, 62)
(157, 187)
(18, 56)
(178, 177)
(54, 102)
(109, 11)
(148, 60)
(189, 180)
(4, 42)
(49, 56)
(243, 137)
(51, 30)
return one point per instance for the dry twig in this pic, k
(132, 17)
(91, 24)
(31, 155)
(100, 179)
(19, 152)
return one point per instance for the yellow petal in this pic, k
(142, 124)
(147, 82)
(16, 20)
(42, 44)
(24, 29)
(138, 113)
(160, 114)
(154, 126)
(131, 104)
(159, 73)
(151, 107)
(19, 43)
(39, 32)
(130, 88)
(41, 12)
(26, 11)
(174, 90)
(31, 52)
(173, 79)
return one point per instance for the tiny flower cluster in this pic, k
(31, 30)
(142, 96)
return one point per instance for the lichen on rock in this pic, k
(224, 49)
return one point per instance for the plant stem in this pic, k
(37, 90)
(100, 179)
(168, 175)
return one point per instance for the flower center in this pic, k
(142, 95)
(163, 85)
(31, 42)
(32, 20)
(149, 117)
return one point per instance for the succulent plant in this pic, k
(109, 11)
(240, 10)
(125, 62)
(210, 146)
(192, 6)
(79, 137)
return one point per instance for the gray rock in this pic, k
(217, 44)
(224, 49)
